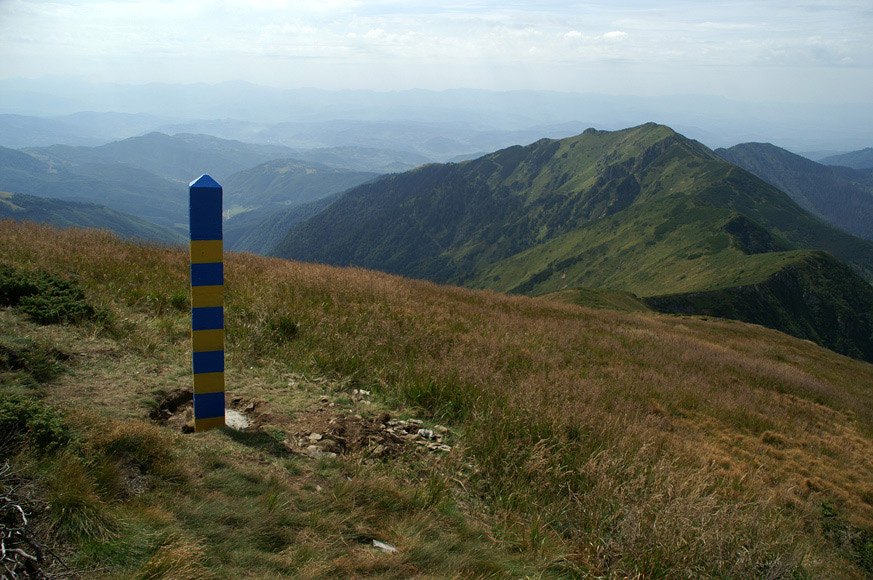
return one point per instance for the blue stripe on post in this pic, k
(207, 274)
(205, 196)
(209, 318)
(209, 405)
(211, 361)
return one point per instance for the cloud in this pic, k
(389, 41)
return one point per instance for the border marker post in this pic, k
(207, 302)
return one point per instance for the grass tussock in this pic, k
(176, 558)
(591, 443)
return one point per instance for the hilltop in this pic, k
(581, 442)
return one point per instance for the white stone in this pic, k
(387, 548)
(235, 420)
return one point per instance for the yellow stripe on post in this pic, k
(206, 424)
(207, 296)
(206, 251)
(207, 340)
(208, 383)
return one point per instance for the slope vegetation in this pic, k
(584, 443)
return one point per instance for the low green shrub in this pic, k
(28, 420)
(47, 298)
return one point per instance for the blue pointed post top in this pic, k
(204, 181)
(204, 209)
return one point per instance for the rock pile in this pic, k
(378, 437)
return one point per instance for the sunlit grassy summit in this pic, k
(584, 443)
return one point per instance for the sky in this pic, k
(815, 51)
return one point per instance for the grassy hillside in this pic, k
(599, 298)
(62, 213)
(643, 210)
(838, 195)
(583, 443)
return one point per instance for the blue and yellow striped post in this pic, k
(207, 302)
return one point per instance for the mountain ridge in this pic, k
(643, 210)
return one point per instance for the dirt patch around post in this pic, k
(323, 430)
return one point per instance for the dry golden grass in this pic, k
(617, 445)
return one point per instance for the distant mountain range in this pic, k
(637, 218)
(148, 176)
(643, 210)
(180, 157)
(862, 159)
(87, 128)
(114, 185)
(369, 145)
(838, 195)
(287, 182)
(238, 106)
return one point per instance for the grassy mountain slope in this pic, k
(63, 213)
(583, 443)
(181, 157)
(450, 223)
(840, 196)
(116, 186)
(862, 159)
(448, 220)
